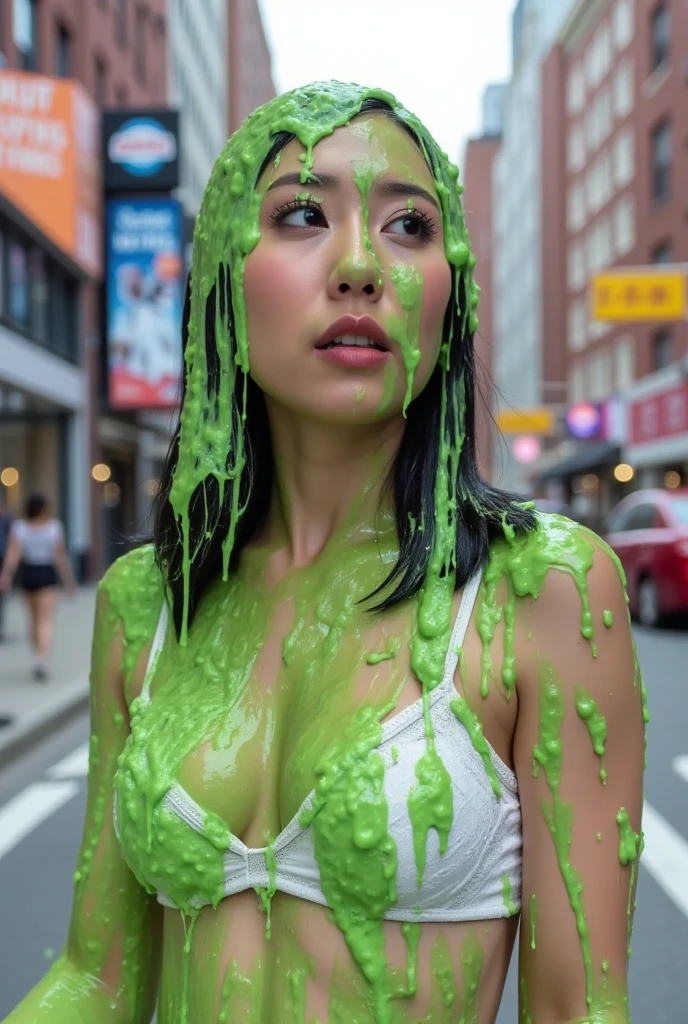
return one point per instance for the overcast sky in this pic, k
(436, 56)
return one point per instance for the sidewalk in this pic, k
(33, 708)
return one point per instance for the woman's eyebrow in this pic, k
(294, 178)
(385, 188)
(404, 188)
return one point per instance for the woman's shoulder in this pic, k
(135, 590)
(557, 555)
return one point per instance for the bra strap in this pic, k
(156, 647)
(463, 616)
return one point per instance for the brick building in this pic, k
(50, 305)
(477, 180)
(615, 117)
(250, 64)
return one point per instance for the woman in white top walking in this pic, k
(36, 545)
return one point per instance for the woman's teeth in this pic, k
(353, 339)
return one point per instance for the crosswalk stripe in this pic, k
(32, 806)
(680, 766)
(666, 857)
(73, 766)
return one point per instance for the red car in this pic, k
(649, 532)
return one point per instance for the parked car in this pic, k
(649, 532)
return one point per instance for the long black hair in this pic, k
(480, 510)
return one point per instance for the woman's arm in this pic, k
(108, 970)
(10, 562)
(63, 564)
(580, 720)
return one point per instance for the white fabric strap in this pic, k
(463, 617)
(156, 647)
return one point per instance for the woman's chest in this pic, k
(244, 722)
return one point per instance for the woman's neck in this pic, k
(328, 481)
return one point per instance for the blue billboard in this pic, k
(144, 281)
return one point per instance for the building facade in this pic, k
(250, 81)
(478, 166)
(198, 61)
(614, 194)
(522, 375)
(62, 60)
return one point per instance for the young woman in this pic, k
(36, 546)
(355, 710)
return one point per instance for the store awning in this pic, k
(588, 457)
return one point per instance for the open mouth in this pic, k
(353, 341)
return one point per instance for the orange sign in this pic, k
(50, 161)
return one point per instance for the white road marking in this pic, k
(74, 766)
(666, 857)
(32, 806)
(680, 766)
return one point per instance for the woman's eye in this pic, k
(414, 224)
(304, 217)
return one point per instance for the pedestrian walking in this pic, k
(36, 547)
(5, 523)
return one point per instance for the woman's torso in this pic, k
(276, 674)
(38, 540)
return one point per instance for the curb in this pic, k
(26, 736)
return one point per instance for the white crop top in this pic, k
(479, 875)
(38, 541)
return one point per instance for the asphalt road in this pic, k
(42, 804)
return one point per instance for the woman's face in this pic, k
(363, 241)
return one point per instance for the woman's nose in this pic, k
(357, 272)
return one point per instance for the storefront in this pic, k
(657, 447)
(49, 257)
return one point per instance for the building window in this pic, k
(26, 33)
(18, 273)
(577, 383)
(63, 314)
(661, 161)
(140, 45)
(576, 268)
(100, 82)
(622, 88)
(39, 295)
(661, 30)
(623, 24)
(624, 158)
(576, 148)
(625, 362)
(661, 349)
(578, 323)
(121, 21)
(576, 89)
(62, 50)
(576, 208)
(624, 226)
(661, 253)
(600, 375)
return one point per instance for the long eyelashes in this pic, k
(299, 203)
(421, 225)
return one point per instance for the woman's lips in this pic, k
(355, 356)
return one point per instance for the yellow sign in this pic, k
(526, 421)
(639, 295)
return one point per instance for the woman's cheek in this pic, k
(436, 296)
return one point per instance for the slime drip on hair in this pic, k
(227, 231)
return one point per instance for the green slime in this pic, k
(356, 854)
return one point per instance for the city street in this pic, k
(42, 802)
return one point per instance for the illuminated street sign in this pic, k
(627, 295)
(526, 421)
